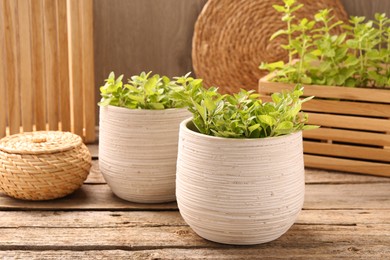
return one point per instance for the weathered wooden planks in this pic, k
(326, 251)
(319, 196)
(302, 238)
(125, 219)
(344, 216)
(88, 197)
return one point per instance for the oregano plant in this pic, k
(244, 115)
(146, 91)
(358, 57)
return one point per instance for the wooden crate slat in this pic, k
(24, 66)
(38, 64)
(348, 107)
(362, 109)
(3, 93)
(349, 122)
(63, 65)
(51, 63)
(88, 77)
(348, 136)
(9, 8)
(362, 94)
(75, 60)
(329, 163)
(365, 153)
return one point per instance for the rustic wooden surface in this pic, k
(344, 216)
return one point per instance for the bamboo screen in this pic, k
(46, 67)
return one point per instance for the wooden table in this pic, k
(344, 216)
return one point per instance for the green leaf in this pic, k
(353, 44)
(201, 111)
(210, 105)
(310, 127)
(285, 125)
(150, 85)
(278, 33)
(156, 105)
(104, 102)
(279, 8)
(276, 65)
(253, 127)
(266, 119)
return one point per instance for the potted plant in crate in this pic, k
(240, 172)
(349, 74)
(139, 124)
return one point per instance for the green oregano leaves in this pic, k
(244, 115)
(144, 91)
(358, 57)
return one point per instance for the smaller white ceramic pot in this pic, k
(138, 152)
(239, 191)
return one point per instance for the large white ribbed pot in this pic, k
(239, 191)
(138, 152)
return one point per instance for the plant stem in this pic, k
(289, 41)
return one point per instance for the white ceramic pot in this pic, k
(138, 152)
(239, 191)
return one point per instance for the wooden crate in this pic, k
(355, 127)
(47, 68)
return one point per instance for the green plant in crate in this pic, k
(146, 91)
(244, 115)
(358, 57)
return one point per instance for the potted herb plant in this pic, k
(240, 171)
(139, 124)
(349, 74)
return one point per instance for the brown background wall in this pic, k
(131, 36)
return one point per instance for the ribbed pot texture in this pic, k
(239, 191)
(138, 152)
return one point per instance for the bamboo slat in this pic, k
(88, 77)
(63, 65)
(38, 64)
(75, 63)
(3, 93)
(51, 63)
(9, 8)
(24, 66)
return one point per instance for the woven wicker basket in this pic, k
(231, 39)
(42, 165)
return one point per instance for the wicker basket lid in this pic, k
(231, 39)
(40, 142)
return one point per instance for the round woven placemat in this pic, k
(231, 39)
